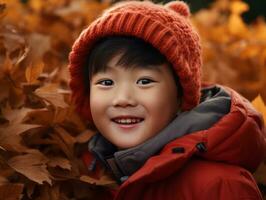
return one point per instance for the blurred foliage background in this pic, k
(256, 8)
(41, 136)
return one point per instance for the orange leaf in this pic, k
(60, 115)
(17, 129)
(15, 116)
(33, 72)
(11, 141)
(260, 106)
(60, 162)
(238, 7)
(50, 94)
(65, 141)
(31, 165)
(40, 116)
(36, 5)
(103, 181)
(236, 25)
(39, 44)
(66, 137)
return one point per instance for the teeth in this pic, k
(127, 121)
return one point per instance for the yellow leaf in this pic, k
(33, 72)
(238, 7)
(260, 106)
(36, 5)
(236, 26)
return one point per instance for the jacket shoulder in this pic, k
(202, 179)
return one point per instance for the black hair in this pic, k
(136, 53)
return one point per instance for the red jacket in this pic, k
(220, 169)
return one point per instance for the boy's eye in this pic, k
(105, 82)
(144, 81)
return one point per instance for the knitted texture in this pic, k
(165, 27)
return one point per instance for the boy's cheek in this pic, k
(96, 106)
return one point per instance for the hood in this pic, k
(223, 127)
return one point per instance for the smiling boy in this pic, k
(137, 103)
(135, 74)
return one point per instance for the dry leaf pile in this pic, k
(41, 136)
(234, 52)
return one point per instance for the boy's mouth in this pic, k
(127, 120)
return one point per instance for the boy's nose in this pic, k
(124, 98)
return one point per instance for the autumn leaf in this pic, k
(11, 141)
(60, 115)
(66, 141)
(36, 5)
(32, 165)
(17, 129)
(39, 44)
(236, 25)
(59, 162)
(260, 106)
(41, 116)
(103, 181)
(238, 7)
(50, 94)
(33, 72)
(15, 118)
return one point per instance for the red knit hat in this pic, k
(166, 27)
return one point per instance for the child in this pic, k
(135, 74)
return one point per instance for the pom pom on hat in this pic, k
(179, 7)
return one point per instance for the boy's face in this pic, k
(129, 106)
